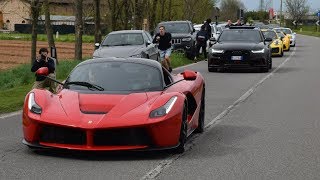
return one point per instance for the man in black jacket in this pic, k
(207, 26)
(164, 40)
(202, 38)
(44, 61)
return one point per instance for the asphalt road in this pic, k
(258, 126)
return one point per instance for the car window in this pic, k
(240, 35)
(167, 77)
(118, 76)
(287, 31)
(270, 34)
(149, 36)
(176, 27)
(123, 39)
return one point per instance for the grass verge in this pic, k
(43, 37)
(17, 82)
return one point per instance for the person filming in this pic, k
(43, 60)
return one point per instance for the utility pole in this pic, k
(280, 13)
(261, 6)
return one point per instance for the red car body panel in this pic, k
(93, 116)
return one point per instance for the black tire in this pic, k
(200, 127)
(183, 131)
(281, 55)
(270, 63)
(294, 45)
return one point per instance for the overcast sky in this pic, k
(254, 4)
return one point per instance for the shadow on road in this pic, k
(223, 140)
(103, 156)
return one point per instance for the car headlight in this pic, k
(186, 39)
(136, 56)
(257, 51)
(165, 109)
(214, 51)
(33, 106)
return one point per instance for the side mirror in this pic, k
(44, 71)
(96, 45)
(189, 75)
(148, 43)
(281, 38)
(268, 39)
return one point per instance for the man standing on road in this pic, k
(202, 38)
(208, 27)
(44, 61)
(164, 40)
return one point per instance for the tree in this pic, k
(297, 9)
(97, 19)
(35, 11)
(78, 29)
(48, 26)
(229, 9)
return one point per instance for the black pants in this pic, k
(203, 46)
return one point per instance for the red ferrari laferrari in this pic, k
(111, 104)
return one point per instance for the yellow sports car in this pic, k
(285, 40)
(276, 45)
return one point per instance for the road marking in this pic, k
(153, 173)
(3, 116)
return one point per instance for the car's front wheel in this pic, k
(183, 130)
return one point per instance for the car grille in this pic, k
(244, 53)
(118, 137)
(275, 50)
(176, 41)
(62, 135)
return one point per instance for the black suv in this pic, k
(240, 48)
(183, 36)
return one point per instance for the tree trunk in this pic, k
(153, 15)
(78, 29)
(170, 10)
(35, 15)
(49, 27)
(162, 9)
(97, 19)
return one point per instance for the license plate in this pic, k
(236, 58)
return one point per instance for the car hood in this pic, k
(238, 46)
(117, 51)
(87, 111)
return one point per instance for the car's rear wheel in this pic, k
(200, 127)
(270, 63)
(183, 130)
(281, 55)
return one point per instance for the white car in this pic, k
(214, 32)
(292, 35)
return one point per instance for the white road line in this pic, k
(4, 116)
(153, 173)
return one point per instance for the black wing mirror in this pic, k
(268, 39)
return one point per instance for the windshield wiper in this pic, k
(86, 84)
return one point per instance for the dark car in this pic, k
(183, 36)
(127, 43)
(240, 48)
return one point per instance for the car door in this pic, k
(151, 48)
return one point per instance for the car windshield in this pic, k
(176, 28)
(280, 34)
(123, 39)
(270, 34)
(240, 35)
(287, 31)
(116, 77)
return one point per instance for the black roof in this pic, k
(126, 31)
(170, 22)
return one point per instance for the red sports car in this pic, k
(116, 104)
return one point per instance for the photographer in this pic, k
(44, 61)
